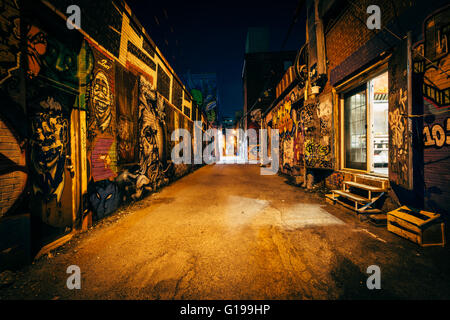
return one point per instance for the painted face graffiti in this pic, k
(101, 101)
(149, 147)
(48, 149)
(149, 151)
(37, 47)
(151, 122)
(104, 198)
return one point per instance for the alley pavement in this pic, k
(227, 232)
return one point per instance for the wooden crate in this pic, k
(417, 225)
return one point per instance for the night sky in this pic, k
(209, 36)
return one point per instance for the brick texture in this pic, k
(12, 181)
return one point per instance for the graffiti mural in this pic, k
(305, 133)
(127, 114)
(65, 65)
(286, 118)
(49, 111)
(437, 135)
(316, 121)
(431, 56)
(102, 157)
(101, 96)
(102, 147)
(9, 38)
(36, 48)
(399, 142)
(316, 155)
(82, 128)
(60, 62)
(48, 149)
(203, 88)
(104, 198)
(299, 142)
(151, 135)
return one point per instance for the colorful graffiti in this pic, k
(399, 140)
(48, 149)
(305, 133)
(9, 38)
(127, 114)
(299, 143)
(60, 63)
(57, 61)
(435, 87)
(335, 180)
(102, 146)
(437, 135)
(316, 155)
(101, 101)
(104, 198)
(83, 129)
(36, 48)
(101, 96)
(397, 124)
(151, 135)
(203, 88)
(431, 57)
(101, 159)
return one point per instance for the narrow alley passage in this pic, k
(227, 232)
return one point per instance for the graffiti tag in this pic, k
(437, 135)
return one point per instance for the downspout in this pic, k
(409, 111)
(321, 61)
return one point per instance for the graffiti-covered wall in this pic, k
(83, 126)
(433, 84)
(399, 137)
(305, 132)
(57, 63)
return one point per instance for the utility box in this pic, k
(422, 227)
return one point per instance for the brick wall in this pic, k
(349, 33)
(12, 179)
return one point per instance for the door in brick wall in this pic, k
(355, 129)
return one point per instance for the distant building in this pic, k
(257, 40)
(203, 88)
(227, 122)
(261, 72)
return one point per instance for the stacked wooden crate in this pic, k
(419, 226)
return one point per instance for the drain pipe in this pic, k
(409, 111)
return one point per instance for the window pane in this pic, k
(355, 107)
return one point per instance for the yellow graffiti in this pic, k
(396, 123)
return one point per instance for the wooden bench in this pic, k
(361, 204)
